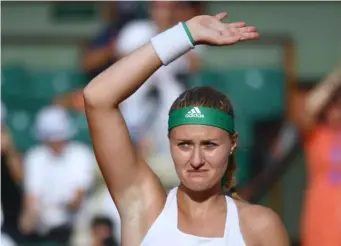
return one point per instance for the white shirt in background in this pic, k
(54, 180)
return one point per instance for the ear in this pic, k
(234, 139)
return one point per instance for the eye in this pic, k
(210, 145)
(184, 145)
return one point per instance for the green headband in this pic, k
(201, 116)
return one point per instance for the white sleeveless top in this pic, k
(165, 232)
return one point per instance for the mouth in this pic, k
(197, 173)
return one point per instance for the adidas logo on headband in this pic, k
(194, 113)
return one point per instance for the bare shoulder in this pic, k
(255, 214)
(262, 225)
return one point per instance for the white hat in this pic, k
(53, 124)
(134, 35)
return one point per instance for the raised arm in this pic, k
(316, 100)
(125, 172)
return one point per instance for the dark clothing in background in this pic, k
(125, 11)
(11, 202)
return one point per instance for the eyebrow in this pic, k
(202, 141)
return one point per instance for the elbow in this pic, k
(90, 98)
(96, 96)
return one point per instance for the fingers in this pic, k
(249, 36)
(235, 37)
(247, 29)
(236, 24)
(242, 31)
(221, 16)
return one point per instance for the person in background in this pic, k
(188, 9)
(11, 179)
(101, 52)
(319, 122)
(57, 176)
(316, 115)
(102, 232)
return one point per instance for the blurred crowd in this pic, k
(54, 193)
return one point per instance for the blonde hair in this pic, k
(231, 183)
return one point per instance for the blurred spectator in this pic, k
(101, 52)
(58, 175)
(11, 178)
(188, 9)
(317, 115)
(102, 232)
(162, 14)
(320, 125)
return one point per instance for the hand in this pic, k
(27, 222)
(211, 30)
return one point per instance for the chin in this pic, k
(197, 185)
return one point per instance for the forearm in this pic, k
(122, 79)
(319, 97)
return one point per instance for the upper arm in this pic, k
(126, 174)
(129, 179)
(272, 230)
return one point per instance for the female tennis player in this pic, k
(202, 142)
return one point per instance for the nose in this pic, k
(197, 160)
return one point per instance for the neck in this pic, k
(199, 203)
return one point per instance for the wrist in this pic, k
(191, 29)
(173, 43)
(189, 32)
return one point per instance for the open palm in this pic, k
(211, 30)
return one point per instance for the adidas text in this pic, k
(194, 115)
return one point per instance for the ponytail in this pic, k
(228, 181)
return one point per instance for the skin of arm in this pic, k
(316, 100)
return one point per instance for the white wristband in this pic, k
(172, 43)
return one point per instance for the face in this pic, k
(200, 154)
(333, 115)
(56, 146)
